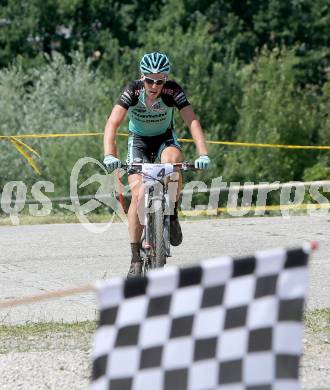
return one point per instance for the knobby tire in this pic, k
(157, 228)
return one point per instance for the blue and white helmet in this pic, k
(154, 63)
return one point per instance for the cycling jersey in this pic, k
(148, 148)
(154, 120)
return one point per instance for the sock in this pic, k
(175, 212)
(135, 249)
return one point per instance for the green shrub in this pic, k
(274, 110)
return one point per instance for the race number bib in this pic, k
(156, 171)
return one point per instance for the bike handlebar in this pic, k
(184, 166)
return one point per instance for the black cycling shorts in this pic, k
(147, 149)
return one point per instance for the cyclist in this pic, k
(150, 103)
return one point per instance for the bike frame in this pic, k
(156, 190)
(155, 193)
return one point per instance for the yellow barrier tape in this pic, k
(19, 147)
(18, 144)
(228, 143)
(303, 206)
(256, 145)
(26, 146)
(45, 135)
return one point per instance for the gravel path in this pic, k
(61, 361)
(41, 258)
(47, 361)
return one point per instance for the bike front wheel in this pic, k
(158, 250)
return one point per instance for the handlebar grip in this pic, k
(125, 165)
(187, 166)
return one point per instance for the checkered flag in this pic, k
(228, 324)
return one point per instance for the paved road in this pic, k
(39, 258)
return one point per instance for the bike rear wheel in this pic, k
(158, 250)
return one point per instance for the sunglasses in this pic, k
(151, 81)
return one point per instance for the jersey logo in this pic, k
(156, 107)
(168, 91)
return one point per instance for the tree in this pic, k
(274, 110)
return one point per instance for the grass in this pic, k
(62, 218)
(46, 336)
(56, 218)
(37, 328)
(316, 321)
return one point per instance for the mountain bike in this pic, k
(155, 240)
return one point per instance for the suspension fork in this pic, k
(166, 230)
(148, 191)
(155, 191)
